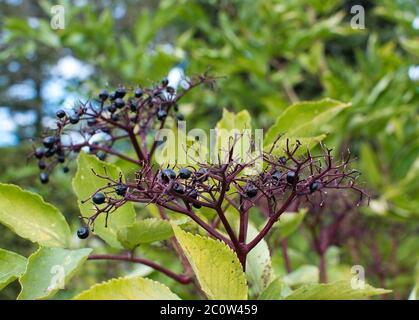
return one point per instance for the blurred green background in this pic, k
(269, 54)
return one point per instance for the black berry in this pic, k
(164, 82)
(170, 90)
(39, 153)
(168, 174)
(74, 119)
(101, 155)
(83, 232)
(180, 117)
(184, 173)
(44, 177)
(61, 158)
(291, 177)
(66, 169)
(138, 93)
(41, 164)
(112, 108)
(103, 95)
(282, 160)
(161, 115)
(50, 152)
(115, 117)
(49, 142)
(201, 175)
(120, 92)
(314, 186)
(119, 103)
(121, 189)
(178, 188)
(251, 190)
(60, 114)
(99, 198)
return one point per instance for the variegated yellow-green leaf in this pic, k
(86, 183)
(129, 288)
(216, 266)
(12, 266)
(30, 217)
(48, 270)
(304, 119)
(144, 231)
(339, 290)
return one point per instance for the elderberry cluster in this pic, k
(95, 126)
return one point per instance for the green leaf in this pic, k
(277, 290)
(129, 288)
(231, 120)
(30, 217)
(370, 166)
(289, 222)
(303, 119)
(86, 183)
(339, 290)
(145, 231)
(216, 266)
(12, 266)
(258, 264)
(48, 270)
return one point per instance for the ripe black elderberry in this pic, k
(60, 114)
(251, 190)
(50, 152)
(168, 174)
(184, 173)
(41, 164)
(120, 92)
(61, 158)
(170, 90)
(112, 108)
(101, 155)
(282, 160)
(138, 93)
(66, 169)
(49, 142)
(132, 106)
(201, 175)
(314, 186)
(121, 190)
(119, 103)
(291, 177)
(44, 177)
(39, 153)
(161, 115)
(194, 195)
(115, 117)
(74, 119)
(164, 82)
(99, 198)
(180, 117)
(276, 175)
(83, 232)
(178, 188)
(103, 95)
